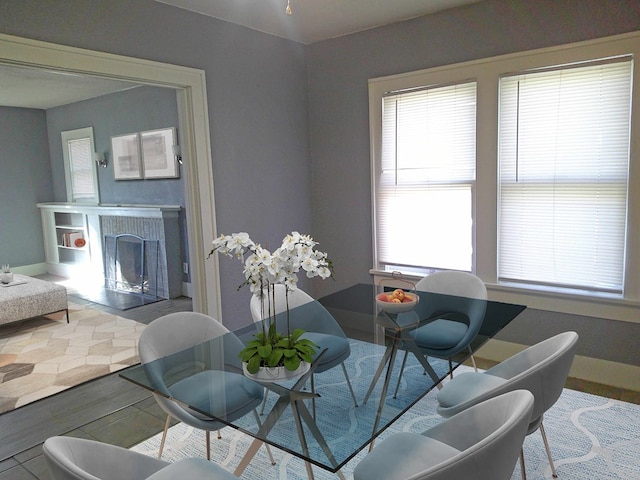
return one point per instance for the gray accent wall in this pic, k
(339, 70)
(136, 110)
(25, 179)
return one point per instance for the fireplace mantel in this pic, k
(93, 221)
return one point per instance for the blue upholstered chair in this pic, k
(542, 369)
(71, 458)
(481, 443)
(177, 332)
(318, 323)
(462, 308)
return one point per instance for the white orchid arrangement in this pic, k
(263, 270)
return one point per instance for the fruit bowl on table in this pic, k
(397, 301)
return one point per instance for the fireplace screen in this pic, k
(131, 264)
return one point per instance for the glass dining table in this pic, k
(323, 426)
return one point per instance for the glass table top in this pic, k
(323, 427)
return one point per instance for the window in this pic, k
(425, 182)
(549, 216)
(80, 170)
(563, 163)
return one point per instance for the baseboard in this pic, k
(585, 368)
(31, 270)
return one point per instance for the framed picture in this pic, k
(126, 157)
(158, 158)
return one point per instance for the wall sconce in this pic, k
(177, 154)
(100, 159)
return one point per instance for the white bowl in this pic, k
(391, 307)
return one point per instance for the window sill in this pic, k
(599, 306)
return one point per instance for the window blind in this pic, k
(563, 166)
(424, 190)
(81, 164)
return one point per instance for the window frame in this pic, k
(487, 72)
(73, 135)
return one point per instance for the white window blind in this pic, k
(82, 169)
(426, 177)
(81, 178)
(563, 163)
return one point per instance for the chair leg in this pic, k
(164, 435)
(208, 436)
(404, 362)
(353, 395)
(524, 472)
(473, 360)
(546, 446)
(219, 434)
(450, 368)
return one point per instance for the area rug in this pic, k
(44, 355)
(591, 437)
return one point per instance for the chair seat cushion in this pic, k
(338, 349)
(466, 386)
(241, 395)
(192, 468)
(403, 455)
(440, 334)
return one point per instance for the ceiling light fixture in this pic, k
(288, 9)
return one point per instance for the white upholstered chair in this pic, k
(542, 369)
(177, 332)
(480, 443)
(319, 325)
(71, 458)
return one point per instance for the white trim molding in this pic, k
(195, 140)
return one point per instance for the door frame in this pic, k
(190, 86)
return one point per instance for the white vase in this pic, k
(276, 374)
(6, 277)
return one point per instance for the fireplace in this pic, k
(131, 264)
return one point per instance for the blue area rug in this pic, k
(591, 437)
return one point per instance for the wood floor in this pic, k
(115, 411)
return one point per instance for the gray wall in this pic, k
(257, 100)
(135, 110)
(25, 179)
(338, 71)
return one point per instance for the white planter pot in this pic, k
(276, 374)
(6, 277)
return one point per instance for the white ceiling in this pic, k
(36, 88)
(314, 20)
(311, 21)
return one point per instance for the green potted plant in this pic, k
(271, 349)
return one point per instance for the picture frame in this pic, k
(158, 158)
(126, 157)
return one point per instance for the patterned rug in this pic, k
(44, 355)
(591, 437)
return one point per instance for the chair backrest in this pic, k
(450, 282)
(542, 369)
(458, 292)
(175, 332)
(489, 436)
(71, 458)
(295, 298)
(480, 443)
(307, 313)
